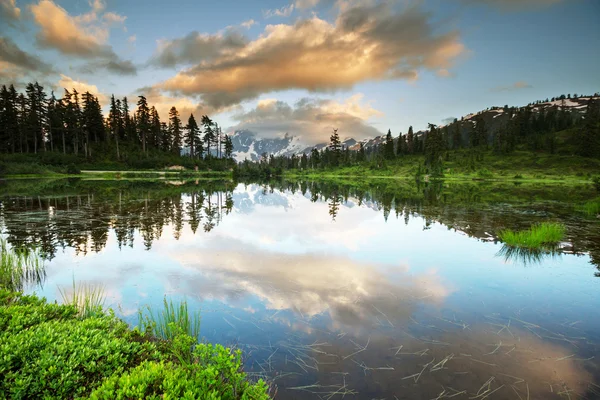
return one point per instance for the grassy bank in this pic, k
(78, 350)
(459, 165)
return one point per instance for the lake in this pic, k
(369, 289)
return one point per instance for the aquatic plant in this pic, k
(591, 208)
(87, 298)
(19, 267)
(539, 235)
(171, 321)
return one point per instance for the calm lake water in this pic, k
(357, 290)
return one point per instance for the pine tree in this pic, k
(388, 149)
(114, 122)
(456, 136)
(335, 147)
(165, 134)
(209, 134)
(588, 140)
(410, 141)
(143, 121)
(175, 129)
(155, 130)
(434, 149)
(192, 136)
(128, 132)
(228, 147)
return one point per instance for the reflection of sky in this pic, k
(278, 264)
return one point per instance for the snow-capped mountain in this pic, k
(248, 145)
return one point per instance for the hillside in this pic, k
(249, 145)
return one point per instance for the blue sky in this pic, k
(307, 66)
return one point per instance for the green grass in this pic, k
(538, 236)
(19, 267)
(170, 321)
(591, 208)
(88, 299)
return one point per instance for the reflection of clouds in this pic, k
(478, 362)
(308, 284)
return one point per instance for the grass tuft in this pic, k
(538, 236)
(19, 267)
(171, 321)
(89, 299)
(591, 208)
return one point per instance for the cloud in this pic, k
(305, 4)
(249, 23)
(12, 57)
(312, 119)
(284, 11)
(66, 82)
(365, 43)
(514, 86)
(82, 36)
(10, 14)
(514, 5)
(132, 39)
(198, 48)
(120, 67)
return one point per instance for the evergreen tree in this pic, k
(410, 141)
(175, 130)
(143, 121)
(335, 147)
(209, 133)
(165, 134)
(388, 147)
(228, 147)
(434, 149)
(588, 140)
(456, 136)
(192, 136)
(155, 129)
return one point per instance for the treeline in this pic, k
(33, 122)
(523, 129)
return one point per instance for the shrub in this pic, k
(48, 352)
(518, 176)
(484, 173)
(214, 374)
(73, 170)
(539, 235)
(596, 182)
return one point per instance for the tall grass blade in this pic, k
(170, 321)
(20, 267)
(89, 299)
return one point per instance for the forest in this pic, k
(41, 129)
(473, 145)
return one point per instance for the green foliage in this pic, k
(485, 173)
(170, 321)
(591, 208)
(47, 351)
(539, 235)
(73, 170)
(51, 351)
(596, 182)
(215, 374)
(19, 267)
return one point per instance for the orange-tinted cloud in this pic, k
(66, 82)
(365, 43)
(312, 119)
(82, 36)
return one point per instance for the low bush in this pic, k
(50, 351)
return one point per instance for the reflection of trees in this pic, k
(83, 221)
(479, 210)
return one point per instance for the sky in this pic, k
(304, 67)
